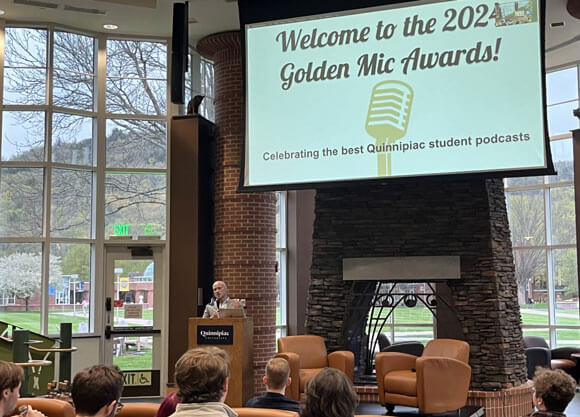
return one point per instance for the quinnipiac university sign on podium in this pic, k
(236, 337)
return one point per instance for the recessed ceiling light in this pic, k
(110, 26)
(2, 12)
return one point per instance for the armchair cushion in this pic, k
(405, 382)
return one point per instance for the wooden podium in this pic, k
(236, 337)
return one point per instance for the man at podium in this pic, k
(220, 301)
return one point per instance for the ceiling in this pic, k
(154, 18)
(134, 17)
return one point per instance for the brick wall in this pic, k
(426, 218)
(245, 224)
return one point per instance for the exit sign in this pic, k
(120, 229)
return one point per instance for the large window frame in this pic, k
(554, 323)
(96, 238)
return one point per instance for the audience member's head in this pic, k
(97, 390)
(11, 377)
(277, 374)
(202, 375)
(553, 389)
(329, 394)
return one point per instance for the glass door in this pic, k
(132, 317)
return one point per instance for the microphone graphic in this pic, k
(388, 117)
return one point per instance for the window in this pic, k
(541, 214)
(281, 269)
(199, 80)
(55, 147)
(411, 319)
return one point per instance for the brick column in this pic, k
(245, 224)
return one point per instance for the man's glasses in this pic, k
(118, 407)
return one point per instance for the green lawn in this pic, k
(131, 359)
(536, 314)
(31, 319)
(134, 362)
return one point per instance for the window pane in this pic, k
(128, 96)
(74, 52)
(73, 90)
(532, 280)
(22, 136)
(25, 47)
(207, 108)
(563, 215)
(562, 85)
(70, 214)
(568, 337)
(543, 333)
(526, 218)
(136, 77)
(69, 291)
(20, 276)
(281, 307)
(563, 160)
(413, 333)
(411, 309)
(566, 286)
(25, 66)
(522, 181)
(21, 197)
(24, 86)
(136, 200)
(136, 143)
(560, 118)
(72, 139)
(74, 70)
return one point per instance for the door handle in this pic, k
(107, 331)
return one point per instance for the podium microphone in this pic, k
(388, 118)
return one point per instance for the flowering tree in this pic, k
(20, 274)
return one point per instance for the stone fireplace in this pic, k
(466, 219)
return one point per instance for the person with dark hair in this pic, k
(11, 377)
(96, 391)
(202, 376)
(553, 390)
(329, 394)
(277, 378)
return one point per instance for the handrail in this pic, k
(71, 349)
(34, 362)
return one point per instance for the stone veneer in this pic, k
(426, 218)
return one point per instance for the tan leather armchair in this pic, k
(263, 412)
(138, 410)
(436, 382)
(50, 407)
(307, 356)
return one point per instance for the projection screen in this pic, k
(405, 90)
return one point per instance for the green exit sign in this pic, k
(120, 229)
